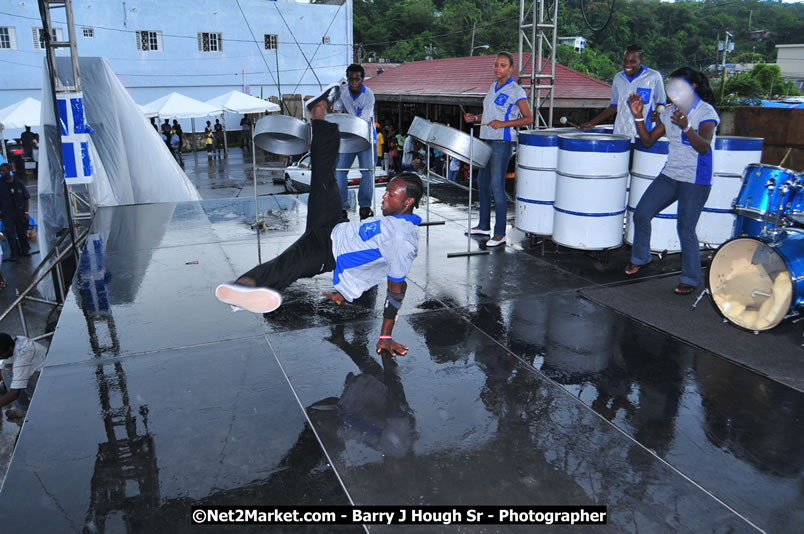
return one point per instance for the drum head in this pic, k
(750, 284)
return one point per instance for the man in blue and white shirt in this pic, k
(360, 254)
(635, 78)
(357, 101)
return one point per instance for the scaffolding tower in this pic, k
(538, 31)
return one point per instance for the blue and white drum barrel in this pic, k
(733, 154)
(537, 158)
(647, 165)
(730, 156)
(756, 282)
(592, 176)
(756, 203)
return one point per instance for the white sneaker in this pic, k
(253, 299)
(495, 243)
(331, 93)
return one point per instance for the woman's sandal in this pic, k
(632, 268)
(683, 289)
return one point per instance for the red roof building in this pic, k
(466, 80)
(373, 69)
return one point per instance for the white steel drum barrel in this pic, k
(733, 154)
(592, 175)
(730, 157)
(648, 164)
(537, 158)
(716, 224)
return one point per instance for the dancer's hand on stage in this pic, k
(335, 297)
(396, 349)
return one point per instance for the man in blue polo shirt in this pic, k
(357, 101)
(634, 78)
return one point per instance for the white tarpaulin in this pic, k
(238, 102)
(178, 106)
(131, 164)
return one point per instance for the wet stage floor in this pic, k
(516, 391)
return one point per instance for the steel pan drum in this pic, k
(355, 132)
(756, 281)
(283, 135)
(457, 144)
(420, 129)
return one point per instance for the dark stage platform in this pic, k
(516, 391)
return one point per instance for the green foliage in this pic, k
(672, 35)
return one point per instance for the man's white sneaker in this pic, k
(253, 299)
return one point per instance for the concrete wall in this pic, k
(180, 66)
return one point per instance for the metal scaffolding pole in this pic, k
(538, 31)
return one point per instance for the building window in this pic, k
(89, 33)
(8, 38)
(325, 39)
(149, 41)
(270, 42)
(210, 42)
(56, 34)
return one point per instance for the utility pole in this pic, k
(472, 48)
(723, 74)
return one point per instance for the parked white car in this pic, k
(297, 176)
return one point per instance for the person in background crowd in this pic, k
(24, 359)
(14, 200)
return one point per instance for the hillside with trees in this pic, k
(672, 34)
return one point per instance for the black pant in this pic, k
(15, 227)
(311, 254)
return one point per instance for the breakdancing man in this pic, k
(360, 254)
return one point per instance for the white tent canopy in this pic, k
(239, 102)
(25, 113)
(147, 112)
(178, 106)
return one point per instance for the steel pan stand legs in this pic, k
(258, 223)
(427, 173)
(469, 251)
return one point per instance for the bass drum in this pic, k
(756, 282)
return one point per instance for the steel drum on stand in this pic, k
(537, 159)
(648, 164)
(356, 134)
(420, 129)
(459, 145)
(592, 176)
(283, 135)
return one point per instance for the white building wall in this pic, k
(180, 66)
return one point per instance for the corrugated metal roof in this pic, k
(472, 76)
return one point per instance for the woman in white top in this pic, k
(689, 125)
(504, 109)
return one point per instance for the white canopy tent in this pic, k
(24, 113)
(239, 102)
(178, 106)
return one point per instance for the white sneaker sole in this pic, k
(494, 243)
(253, 299)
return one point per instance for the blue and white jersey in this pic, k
(361, 105)
(372, 251)
(684, 163)
(649, 85)
(502, 104)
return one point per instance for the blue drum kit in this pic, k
(756, 279)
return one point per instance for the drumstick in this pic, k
(785, 156)
(565, 120)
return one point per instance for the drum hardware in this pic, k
(697, 300)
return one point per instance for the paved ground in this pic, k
(516, 390)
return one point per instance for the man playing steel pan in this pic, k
(360, 254)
